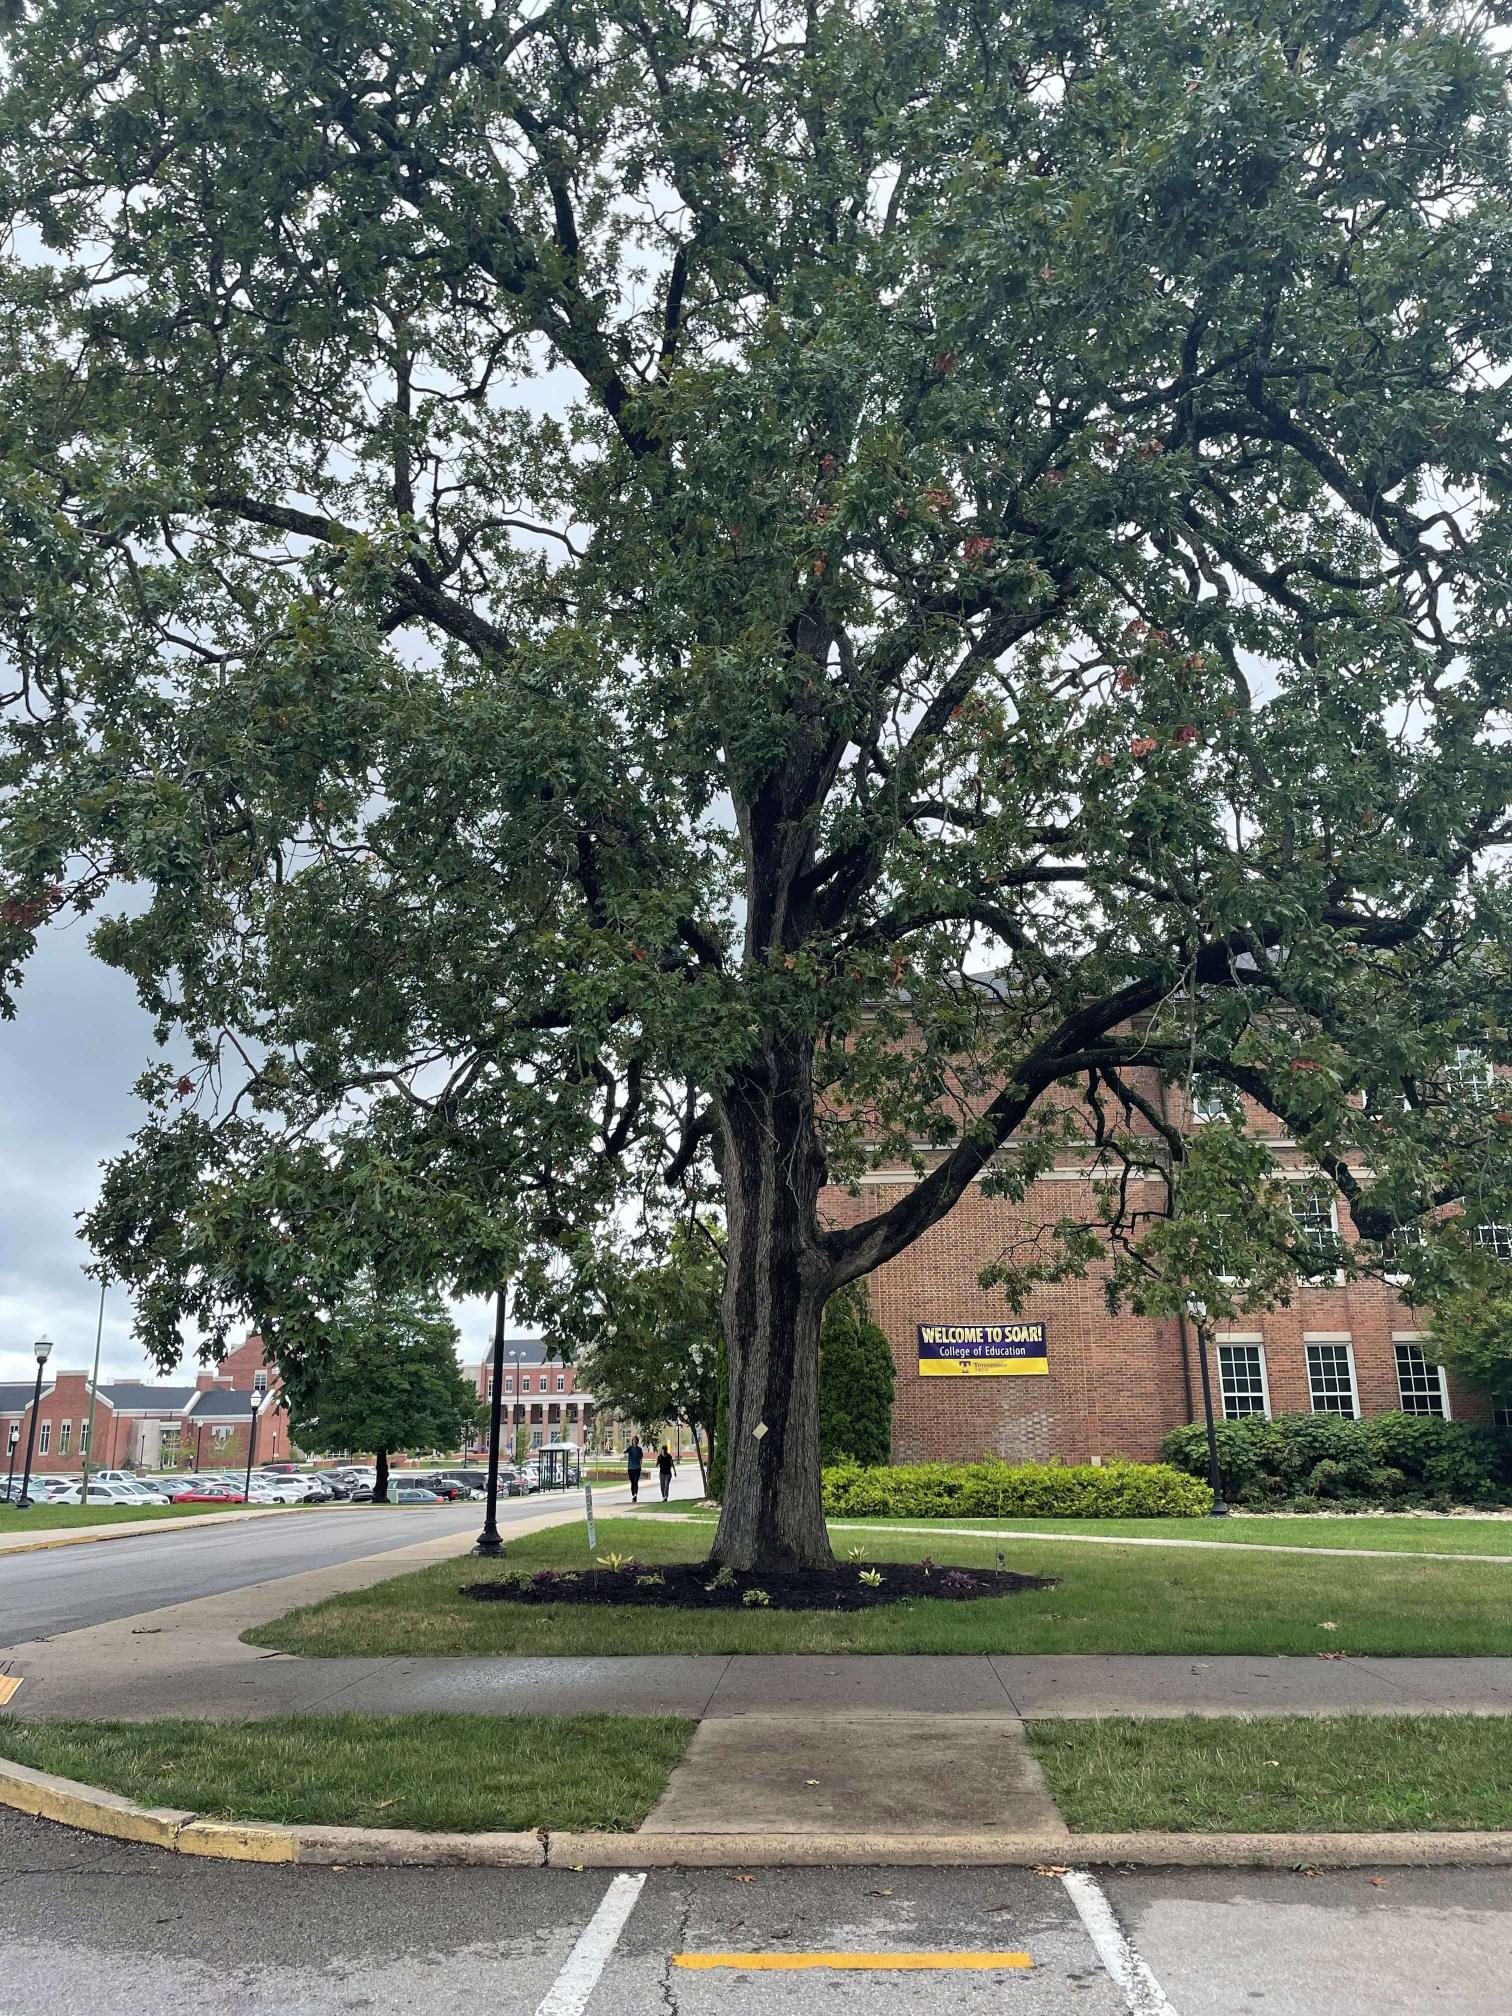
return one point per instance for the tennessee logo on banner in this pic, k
(981, 1350)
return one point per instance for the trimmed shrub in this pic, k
(1330, 1459)
(856, 1382)
(1014, 1491)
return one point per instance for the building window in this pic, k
(65, 1437)
(1241, 1379)
(1467, 1074)
(259, 1382)
(1210, 1102)
(220, 1432)
(44, 1438)
(535, 1438)
(1496, 1239)
(1502, 1416)
(83, 1438)
(561, 1382)
(1312, 1213)
(1330, 1378)
(1421, 1385)
(508, 1384)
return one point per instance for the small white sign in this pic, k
(758, 1431)
(592, 1529)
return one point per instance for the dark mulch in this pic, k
(683, 1586)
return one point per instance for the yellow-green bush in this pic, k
(1014, 1491)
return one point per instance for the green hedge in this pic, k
(1014, 1491)
(1328, 1459)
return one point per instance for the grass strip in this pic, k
(1110, 1599)
(42, 1518)
(439, 1773)
(1341, 1774)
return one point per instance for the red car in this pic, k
(193, 1497)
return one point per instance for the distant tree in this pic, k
(856, 1382)
(381, 1375)
(1471, 1331)
(655, 1353)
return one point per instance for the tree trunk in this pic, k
(698, 1451)
(380, 1477)
(776, 1283)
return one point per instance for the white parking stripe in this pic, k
(1141, 1991)
(568, 1994)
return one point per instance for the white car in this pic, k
(279, 1491)
(101, 1494)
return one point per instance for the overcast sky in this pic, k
(67, 1066)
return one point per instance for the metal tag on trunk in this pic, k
(592, 1529)
(758, 1431)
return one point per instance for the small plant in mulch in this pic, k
(700, 1586)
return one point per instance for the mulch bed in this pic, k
(674, 1586)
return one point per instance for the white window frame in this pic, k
(1501, 1417)
(1333, 1338)
(259, 1382)
(1320, 1184)
(65, 1437)
(561, 1379)
(83, 1438)
(1498, 1241)
(1415, 1338)
(1468, 1072)
(1208, 1104)
(1246, 1340)
(44, 1437)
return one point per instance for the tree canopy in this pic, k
(654, 1340)
(381, 1375)
(591, 567)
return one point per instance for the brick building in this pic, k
(541, 1393)
(1114, 1385)
(145, 1426)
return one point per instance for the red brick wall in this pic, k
(1116, 1382)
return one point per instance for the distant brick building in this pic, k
(144, 1426)
(541, 1393)
(1114, 1385)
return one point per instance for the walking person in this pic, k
(666, 1470)
(634, 1457)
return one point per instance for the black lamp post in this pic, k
(489, 1543)
(251, 1439)
(12, 1439)
(43, 1350)
(1197, 1310)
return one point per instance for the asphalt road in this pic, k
(95, 1928)
(64, 1588)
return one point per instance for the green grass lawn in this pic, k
(1344, 1774)
(510, 1773)
(1438, 1533)
(1110, 1599)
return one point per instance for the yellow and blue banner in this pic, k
(981, 1350)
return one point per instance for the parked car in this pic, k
(412, 1494)
(97, 1494)
(443, 1487)
(206, 1494)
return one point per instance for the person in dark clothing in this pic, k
(666, 1470)
(634, 1457)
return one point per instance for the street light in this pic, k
(1197, 1309)
(489, 1543)
(11, 1441)
(43, 1350)
(251, 1439)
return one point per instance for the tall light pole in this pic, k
(43, 1351)
(11, 1440)
(251, 1439)
(94, 1387)
(1197, 1310)
(489, 1543)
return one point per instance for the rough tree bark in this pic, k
(776, 1285)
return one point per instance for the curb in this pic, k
(95, 1811)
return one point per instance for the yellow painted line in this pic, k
(785, 1963)
(8, 1685)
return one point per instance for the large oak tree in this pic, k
(592, 563)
